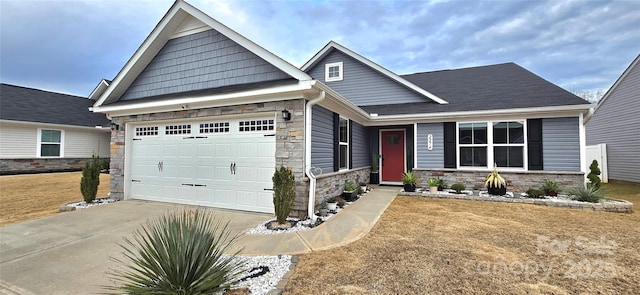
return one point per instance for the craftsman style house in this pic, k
(203, 115)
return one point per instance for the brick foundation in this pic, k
(41, 165)
(518, 181)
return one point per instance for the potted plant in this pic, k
(323, 208)
(332, 204)
(363, 187)
(374, 175)
(349, 192)
(550, 188)
(441, 184)
(495, 183)
(409, 181)
(433, 185)
(340, 201)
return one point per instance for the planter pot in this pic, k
(501, 191)
(433, 190)
(348, 196)
(363, 188)
(410, 188)
(324, 212)
(551, 193)
(374, 178)
(332, 206)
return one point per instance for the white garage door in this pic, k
(216, 163)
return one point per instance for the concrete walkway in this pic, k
(69, 253)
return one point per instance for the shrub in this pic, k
(441, 184)
(179, 253)
(587, 194)
(350, 186)
(284, 193)
(341, 202)
(550, 187)
(494, 179)
(594, 179)
(534, 193)
(90, 179)
(458, 187)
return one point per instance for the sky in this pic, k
(68, 46)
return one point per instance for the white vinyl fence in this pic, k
(598, 152)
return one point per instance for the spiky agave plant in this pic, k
(180, 253)
(494, 179)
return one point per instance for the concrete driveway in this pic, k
(69, 253)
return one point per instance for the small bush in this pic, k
(441, 184)
(594, 179)
(409, 178)
(458, 187)
(587, 194)
(284, 193)
(341, 202)
(534, 193)
(179, 253)
(90, 179)
(350, 186)
(550, 187)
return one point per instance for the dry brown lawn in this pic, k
(32, 196)
(434, 246)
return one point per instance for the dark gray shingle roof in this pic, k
(501, 86)
(33, 105)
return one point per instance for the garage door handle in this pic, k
(188, 184)
(234, 168)
(268, 189)
(199, 185)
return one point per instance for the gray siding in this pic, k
(363, 85)
(360, 155)
(430, 158)
(322, 139)
(615, 123)
(561, 144)
(200, 61)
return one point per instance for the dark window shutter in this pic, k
(336, 142)
(534, 144)
(350, 144)
(449, 144)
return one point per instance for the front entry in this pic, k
(392, 146)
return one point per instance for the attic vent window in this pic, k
(333, 72)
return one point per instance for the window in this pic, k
(473, 144)
(177, 129)
(50, 144)
(481, 146)
(256, 125)
(508, 144)
(333, 72)
(217, 127)
(147, 131)
(343, 138)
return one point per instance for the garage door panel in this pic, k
(205, 160)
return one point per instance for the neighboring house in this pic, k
(42, 131)
(614, 123)
(203, 116)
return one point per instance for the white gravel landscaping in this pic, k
(259, 281)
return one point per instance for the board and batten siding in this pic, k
(433, 158)
(322, 139)
(362, 85)
(360, 156)
(561, 144)
(200, 61)
(616, 123)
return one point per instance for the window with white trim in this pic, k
(333, 72)
(177, 129)
(481, 144)
(343, 139)
(50, 143)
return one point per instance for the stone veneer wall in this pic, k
(516, 180)
(332, 184)
(289, 140)
(41, 165)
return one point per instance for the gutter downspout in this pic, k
(307, 154)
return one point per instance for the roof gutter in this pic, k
(307, 154)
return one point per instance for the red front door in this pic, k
(392, 147)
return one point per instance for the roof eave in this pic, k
(626, 72)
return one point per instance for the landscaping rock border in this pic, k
(615, 205)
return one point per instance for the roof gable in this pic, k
(331, 46)
(183, 20)
(33, 105)
(632, 68)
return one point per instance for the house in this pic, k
(42, 131)
(203, 115)
(613, 123)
